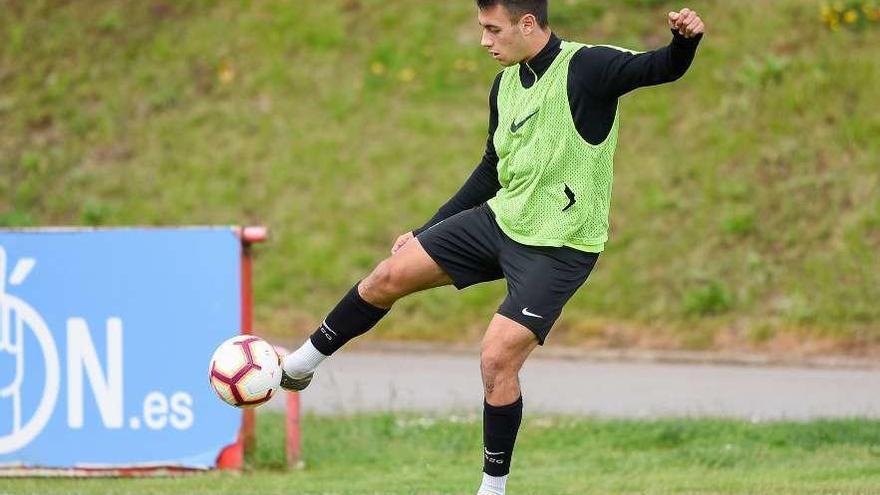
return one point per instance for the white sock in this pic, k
(493, 485)
(303, 360)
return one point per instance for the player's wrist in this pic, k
(680, 39)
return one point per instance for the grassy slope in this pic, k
(386, 454)
(745, 210)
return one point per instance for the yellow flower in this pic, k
(377, 68)
(406, 75)
(851, 16)
(225, 72)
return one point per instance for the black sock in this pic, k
(500, 425)
(351, 317)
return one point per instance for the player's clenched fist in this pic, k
(686, 22)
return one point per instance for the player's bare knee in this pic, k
(372, 287)
(493, 362)
(381, 286)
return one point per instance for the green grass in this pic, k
(406, 454)
(745, 199)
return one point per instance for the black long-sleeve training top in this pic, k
(597, 77)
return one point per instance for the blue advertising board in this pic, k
(105, 339)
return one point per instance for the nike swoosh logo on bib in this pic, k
(515, 127)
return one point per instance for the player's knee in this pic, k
(382, 285)
(497, 372)
(494, 361)
(373, 288)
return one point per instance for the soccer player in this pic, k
(534, 212)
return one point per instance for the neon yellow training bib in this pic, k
(555, 186)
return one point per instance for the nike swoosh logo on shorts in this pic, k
(526, 312)
(491, 453)
(515, 127)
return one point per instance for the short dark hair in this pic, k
(519, 8)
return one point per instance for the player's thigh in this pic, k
(540, 281)
(408, 270)
(466, 246)
(417, 268)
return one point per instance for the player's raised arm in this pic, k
(611, 71)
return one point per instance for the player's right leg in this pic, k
(408, 270)
(461, 250)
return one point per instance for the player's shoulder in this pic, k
(587, 52)
(496, 87)
(590, 57)
(496, 83)
(505, 76)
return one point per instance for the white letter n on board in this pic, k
(106, 386)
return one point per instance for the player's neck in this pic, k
(541, 40)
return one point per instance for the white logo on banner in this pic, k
(21, 326)
(15, 316)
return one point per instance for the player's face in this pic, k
(501, 37)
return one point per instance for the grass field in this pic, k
(405, 454)
(745, 213)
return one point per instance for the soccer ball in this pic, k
(245, 371)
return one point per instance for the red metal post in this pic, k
(248, 425)
(292, 444)
(248, 236)
(293, 437)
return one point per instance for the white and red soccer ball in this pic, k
(245, 371)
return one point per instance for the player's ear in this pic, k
(527, 24)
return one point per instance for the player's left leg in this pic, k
(540, 281)
(505, 347)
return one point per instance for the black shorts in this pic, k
(471, 248)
